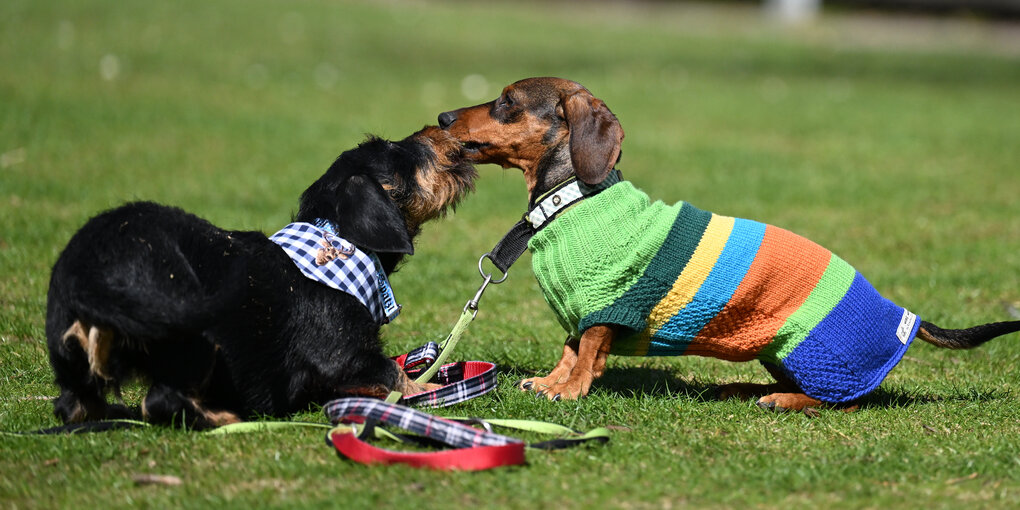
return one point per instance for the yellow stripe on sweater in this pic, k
(690, 280)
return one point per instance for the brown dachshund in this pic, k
(819, 328)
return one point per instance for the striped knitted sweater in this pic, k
(680, 281)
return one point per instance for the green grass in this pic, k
(895, 145)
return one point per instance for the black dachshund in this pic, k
(224, 325)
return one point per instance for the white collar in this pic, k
(564, 195)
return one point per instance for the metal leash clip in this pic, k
(487, 279)
(462, 322)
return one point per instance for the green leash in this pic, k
(468, 315)
(569, 437)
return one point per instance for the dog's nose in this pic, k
(447, 118)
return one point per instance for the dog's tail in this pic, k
(965, 338)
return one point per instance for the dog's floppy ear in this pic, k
(595, 136)
(367, 217)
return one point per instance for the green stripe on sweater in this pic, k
(631, 309)
(596, 250)
(829, 290)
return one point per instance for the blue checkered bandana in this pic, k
(328, 258)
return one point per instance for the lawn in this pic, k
(891, 142)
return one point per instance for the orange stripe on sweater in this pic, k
(785, 270)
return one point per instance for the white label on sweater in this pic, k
(906, 326)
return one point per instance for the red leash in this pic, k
(473, 449)
(463, 459)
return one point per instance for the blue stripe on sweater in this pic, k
(717, 290)
(852, 349)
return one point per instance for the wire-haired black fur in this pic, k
(340, 196)
(222, 324)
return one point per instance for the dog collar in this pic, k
(327, 258)
(564, 195)
(546, 208)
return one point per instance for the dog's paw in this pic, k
(532, 384)
(771, 406)
(566, 390)
(782, 402)
(415, 388)
(537, 385)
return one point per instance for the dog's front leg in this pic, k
(592, 351)
(559, 372)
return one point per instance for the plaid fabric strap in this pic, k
(416, 361)
(327, 258)
(474, 449)
(463, 380)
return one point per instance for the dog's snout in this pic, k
(447, 118)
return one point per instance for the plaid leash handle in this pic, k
(461, 381)
(419, 359)
(474, 449)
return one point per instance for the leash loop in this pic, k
(488, 276)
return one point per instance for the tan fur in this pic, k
(80, 413)
(216, 418)
(438, 188)
(79, 333)
(97, 343)
(407, 386)
(517, 145)
(583, 361)
(927, 337)
(559, 373)
(213, 418)
(788, 401)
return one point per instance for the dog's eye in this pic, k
(506, 102)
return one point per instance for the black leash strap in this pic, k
(513, 244)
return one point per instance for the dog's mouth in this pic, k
(472, 147)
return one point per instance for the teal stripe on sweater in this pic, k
(631, 309)
(712, 296)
